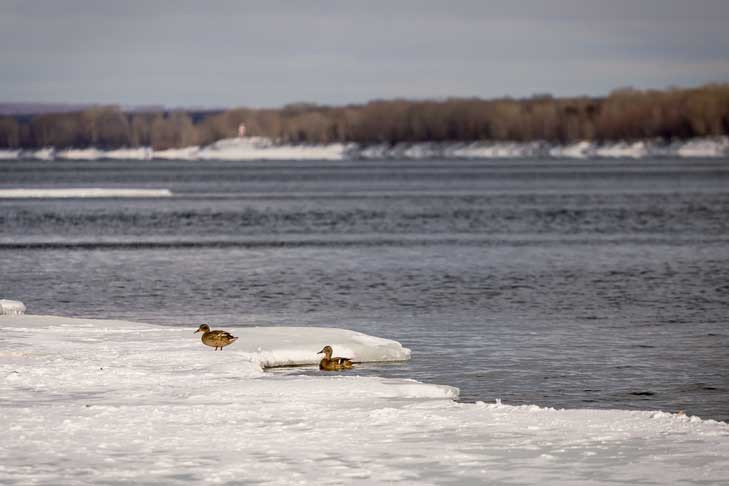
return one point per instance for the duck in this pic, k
(216, 339)
(333, 364)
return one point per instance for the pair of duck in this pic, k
(219, 339)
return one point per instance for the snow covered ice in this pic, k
(82, 192)
(11, 307)
(99, 402)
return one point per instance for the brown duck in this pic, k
(215, 339)
(333, 364)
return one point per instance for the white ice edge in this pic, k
(260, 148)
(11, 307)
(95, 401)
(83, 192)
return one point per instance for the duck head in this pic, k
(203, 328)
(327, 351)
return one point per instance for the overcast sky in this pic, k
(268, 53)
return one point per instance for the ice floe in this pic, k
(260, 148)
(98, 401)
(82, 192)
(11, 307)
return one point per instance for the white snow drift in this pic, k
(100, 402)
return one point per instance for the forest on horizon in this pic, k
(625, 114)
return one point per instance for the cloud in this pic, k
(270, 53)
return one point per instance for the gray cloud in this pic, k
(275, 52)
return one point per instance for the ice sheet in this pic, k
(92, 402)
(81, 192)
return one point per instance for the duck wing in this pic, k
(222, 335)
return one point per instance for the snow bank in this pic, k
(624, 150)
(259, 148)
(704, 147)
(47, 153)
(92, 402)
(496, 150)
(9, 154)
(11, 307)
(80, 154)
(86, 192)
(142, 153)
(185, 153)
(712, 147)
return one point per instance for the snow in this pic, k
(185, 153)
(636, 150)
(142, 153)
(99, 401)
(11, 307)
(579, 150)
(498, 150)
(6, 154)
(291, 346)
(80, 154)
(85, 192)
(260, 148)
(705, 147)
(47, 153)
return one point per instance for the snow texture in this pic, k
(101, 402)
(87, 192)
(260, 148)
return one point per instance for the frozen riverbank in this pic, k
(259, 148)
(95, 401)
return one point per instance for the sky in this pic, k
(270, 53)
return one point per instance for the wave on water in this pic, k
(259, 148)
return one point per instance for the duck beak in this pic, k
(320, 352)
(196, 331)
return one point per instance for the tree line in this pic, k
(625, 114)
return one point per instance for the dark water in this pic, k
(568, 284)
